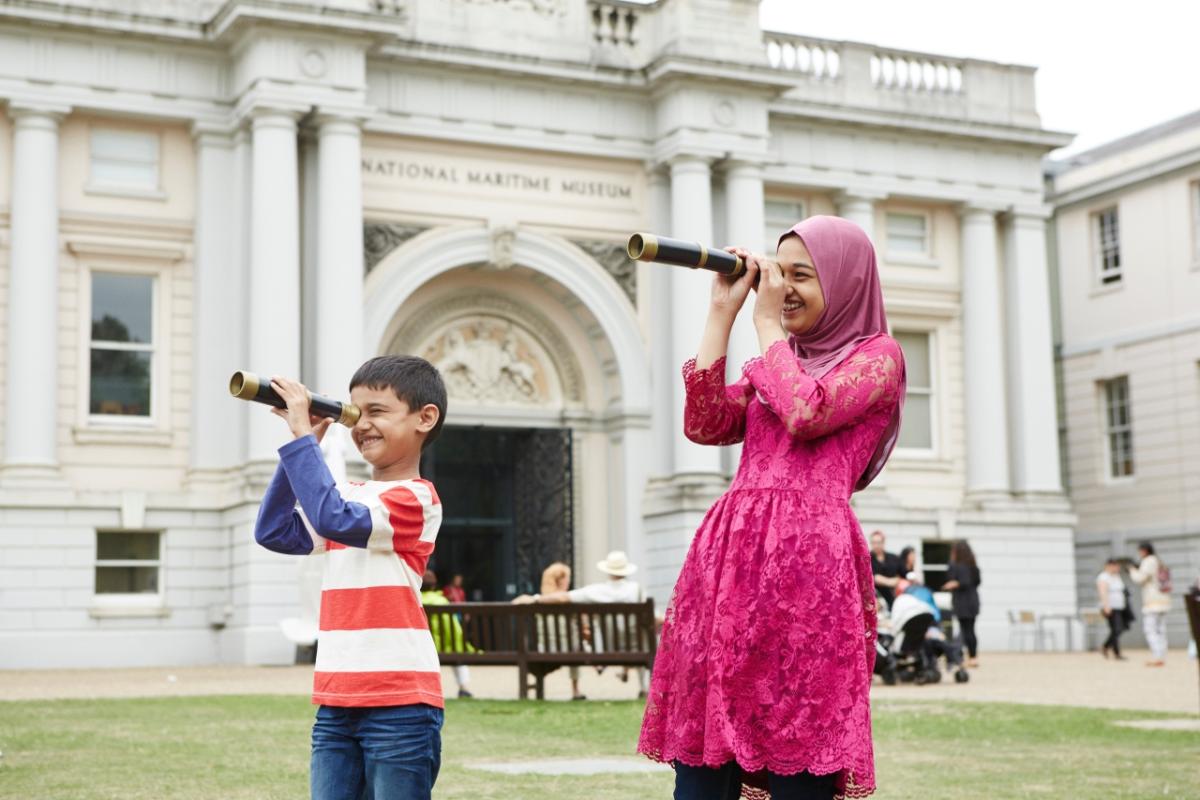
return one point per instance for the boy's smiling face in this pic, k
(388, 433)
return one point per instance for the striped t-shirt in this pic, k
(374, 647)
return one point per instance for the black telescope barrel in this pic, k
(249, 386)
(681, 253)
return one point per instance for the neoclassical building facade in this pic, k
(1127, 261)
(188, 189)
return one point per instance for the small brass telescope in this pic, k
(680, 253)
(248, 386)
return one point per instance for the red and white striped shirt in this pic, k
(374, 646)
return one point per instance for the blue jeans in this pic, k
(381, 753)
(725, 783)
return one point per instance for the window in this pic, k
(780, 216)
(916, 426)
(128, 563)
(1195, 187)
(124, 160)
(907, 234)
(1108, 247)
(122, 345)
(1118, 427)
(935, 563)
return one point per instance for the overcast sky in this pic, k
(1105, 69)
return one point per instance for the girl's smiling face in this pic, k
(805, 300)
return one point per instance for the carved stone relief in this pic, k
(489, 361)
(504, 238)
(616, 262)
(427, 333)
(381, 238)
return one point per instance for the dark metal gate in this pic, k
(508, 507)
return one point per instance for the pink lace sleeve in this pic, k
(811, 408)
(714, 413)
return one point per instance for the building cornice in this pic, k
(230, 18)
(1037, 138)
(1187, 159)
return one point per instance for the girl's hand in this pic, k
(728, 295)
(768, 308)
(298, 416)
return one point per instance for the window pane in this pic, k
(916, 358)
(906, 233)
(779, 217)
(125, 174)
(125, 546)
(124, 146)
(126, 580)
(120, 382)
(916, 429)
(125, 158)
(122, 307)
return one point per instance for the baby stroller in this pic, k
(909, 649)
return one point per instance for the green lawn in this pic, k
(218, 748)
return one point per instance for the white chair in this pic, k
(1092, 619)
(1022, 624)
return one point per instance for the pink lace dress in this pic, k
(769, 641)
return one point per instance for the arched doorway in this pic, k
(533, 465)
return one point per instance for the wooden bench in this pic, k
(542, 637)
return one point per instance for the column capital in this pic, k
(978, 209)
(1030, 215)
(690, 165)
(31, 114)
(737, 167)
(332, 116)
(266, 118)
(211, 133)
(256, 107)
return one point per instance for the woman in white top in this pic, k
(1112, 605)
(1156, 601)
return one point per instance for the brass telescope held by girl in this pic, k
(248, 386)
(680, 253)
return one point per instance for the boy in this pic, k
(377, 680)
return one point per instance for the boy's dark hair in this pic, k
(415, 381)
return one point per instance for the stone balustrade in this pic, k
(615, 24)
(869, 77)
(915, 72)
(813, 58)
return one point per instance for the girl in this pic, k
(963, 580)
(761, 680)
(1114, 602)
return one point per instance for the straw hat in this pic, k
(617, 563)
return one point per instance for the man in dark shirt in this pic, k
(885, 567)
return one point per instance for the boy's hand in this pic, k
(297, 415)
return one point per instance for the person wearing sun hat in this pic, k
(619, 588)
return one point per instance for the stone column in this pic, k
(983, 356)
(218, 297)
(274, 280)
(1032, 405)
(32, 348)
(664, 372)
(339, 279)
(745, 220)
(859, 207)
(691, 218)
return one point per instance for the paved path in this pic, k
(1080, 679)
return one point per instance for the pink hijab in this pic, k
(845, 263)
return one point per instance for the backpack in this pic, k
(1163, 577)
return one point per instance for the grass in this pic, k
(238, 748)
